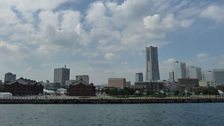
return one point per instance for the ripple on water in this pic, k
(110, 115)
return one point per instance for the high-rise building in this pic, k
(171, 76)
(194, 72)
(152, 64)
(208, 76)
(179, 69)
(218, 75)
(139, 77)
(83, 77)
(117, 82)
(61, 75)
(9, 77)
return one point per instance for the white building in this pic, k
(83, 77)
(218, 75)
(208, 76)
(5, 95)
(194, 72)
(179, 69)
(171, 76)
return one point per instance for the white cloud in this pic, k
(96, 12)
(109, 56)
(48, 19)
(104, 33)
(156, 23)
(13, 51)
(70, 20)
(202, 55)
(170, 61)
(214, 12)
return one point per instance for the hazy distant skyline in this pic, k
(107, 38)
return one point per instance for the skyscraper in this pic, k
(171, 76)
(61, 75)
(194, 72)
(139, 77)
(9, 77)
(152, 64)
(179, 69)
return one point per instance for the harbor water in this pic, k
(190, 114)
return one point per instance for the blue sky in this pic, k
(107, 38)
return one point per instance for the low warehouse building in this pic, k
(81, 88)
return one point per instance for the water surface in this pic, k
(206, 114)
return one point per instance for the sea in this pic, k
(202, 114)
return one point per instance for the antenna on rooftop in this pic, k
(65, 66)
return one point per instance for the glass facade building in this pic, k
(152, 64)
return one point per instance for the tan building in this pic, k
(203, 83)
(117, 82)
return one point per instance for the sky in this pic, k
(107, 38)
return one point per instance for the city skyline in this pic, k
(107, 38)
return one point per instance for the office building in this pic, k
(149, 86)
(83, 77)
(179, 69)
(171, 76)
(139, 77)
(152, 64)
(194, 72)
(117, 82)
(208, 76)
(128, 84)
(9, 77)
(61, 75)
(218, 75)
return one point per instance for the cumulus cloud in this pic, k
(40, 32)
(109, 56)
(214, 12)
(169, 61)
(202, 55)
(155, 22)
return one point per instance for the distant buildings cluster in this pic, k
(62, 85)
(183, 77)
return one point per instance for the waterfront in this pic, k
(107, 100)
(204, 114)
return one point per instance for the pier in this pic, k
(106, 100)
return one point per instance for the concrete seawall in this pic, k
(107, 100)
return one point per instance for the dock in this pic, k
(106, 100)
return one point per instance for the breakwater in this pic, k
(90, 100)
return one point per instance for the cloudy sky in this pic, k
(107, 38)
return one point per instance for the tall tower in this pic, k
(152, 64)
(61, 75)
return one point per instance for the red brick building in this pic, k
(81, 88)
(23, 87)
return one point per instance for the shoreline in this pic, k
(111, 100)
